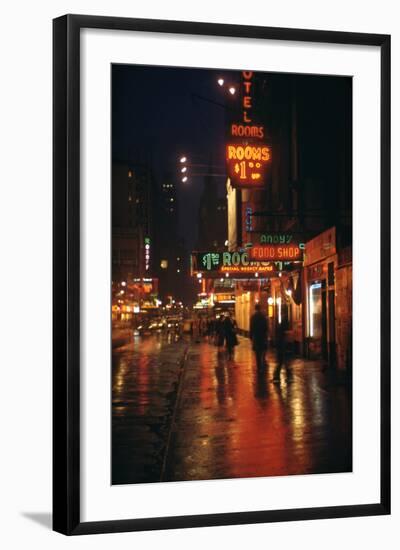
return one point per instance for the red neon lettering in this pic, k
(247, 86)
(245, 117)
(247, 102)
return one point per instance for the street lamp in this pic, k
(221, 81)
(198, 169)
(232, 90)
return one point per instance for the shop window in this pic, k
(315, 310)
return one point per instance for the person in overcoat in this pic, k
(259, 335)
(230, 335)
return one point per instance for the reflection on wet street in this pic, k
(144, 385)
(216, 418)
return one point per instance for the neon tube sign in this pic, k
(246, 158)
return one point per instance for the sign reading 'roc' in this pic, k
(235, 264)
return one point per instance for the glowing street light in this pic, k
(232, 90)
(221, 81)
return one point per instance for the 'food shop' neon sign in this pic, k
(277, 252)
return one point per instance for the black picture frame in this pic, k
(66, 273)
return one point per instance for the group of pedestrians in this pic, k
(222, 331)
(225, 333)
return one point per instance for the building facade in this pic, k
(134, 284)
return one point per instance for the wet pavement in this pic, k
(145, 380)
(182, 411)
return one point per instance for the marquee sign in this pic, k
(235, 264)
(246, 154)
(220, 298)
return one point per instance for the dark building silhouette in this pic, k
(134, 283)
(212, 217)
(173, 265)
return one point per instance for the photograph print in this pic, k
(231, 295)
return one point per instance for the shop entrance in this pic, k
(317, 315)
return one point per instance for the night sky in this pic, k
(170, 112)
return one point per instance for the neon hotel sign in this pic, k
(246, 157)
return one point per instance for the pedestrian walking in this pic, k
(259, 335)
(197, 329)
(230, 335)
(219, 332)
(281, 343)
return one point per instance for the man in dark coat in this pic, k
(259, 335)
(230, 335)
(281, 343)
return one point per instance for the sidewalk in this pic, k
(233, 422)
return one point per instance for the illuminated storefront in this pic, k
(319, 271)
(132, 297)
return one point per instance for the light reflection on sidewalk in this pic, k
(235, 422)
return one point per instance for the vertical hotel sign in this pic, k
(247, 154)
